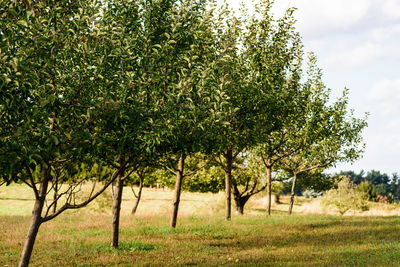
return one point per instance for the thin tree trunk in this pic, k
(139, 195)
(36, 219)
(292, 193)
(269, 182)
(55, 195)
(177, 193)
(228, 177)
(117, 209)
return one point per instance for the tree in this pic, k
(237, 107)
(376, 177)
(254, 54)
(49, 99)
(367, 189)
(249, 180)
(345, 198)
(322, 134)
(187, 102)
(380, 189)
(273, 51)
(124, 126)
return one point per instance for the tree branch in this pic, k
(68, 206)
(130, 172)
(171, 170)
(219, 161)
(33, 186)
(195, 170)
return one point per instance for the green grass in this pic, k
(202, 237)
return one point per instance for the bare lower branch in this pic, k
(93, 187)
(195, 170)
(55, 201)
(170, 170)
(53, 185)
(130, 172)
(68, 206)
(266, 164)
(259, 190)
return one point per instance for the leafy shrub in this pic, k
(367, 189)
(345, 198)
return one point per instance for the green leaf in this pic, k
(22, 23)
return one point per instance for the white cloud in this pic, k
(357, 56)
(386, 91)
(390, 32)
(391, 8)
(379, 43)
(394, 127)
(323, 16)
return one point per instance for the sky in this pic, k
(357, 43)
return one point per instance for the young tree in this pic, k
(238, 107)
(126, 128)
(49, 99)
(322, 134)
(255, 54)
(187, 100)
(273, 51)
(345, 198)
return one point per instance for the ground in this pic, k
(202, 236)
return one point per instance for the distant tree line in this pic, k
(380, 186)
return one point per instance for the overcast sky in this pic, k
(357, 43)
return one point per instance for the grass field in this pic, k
(202, 236)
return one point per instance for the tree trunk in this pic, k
(55, 195)
(36, 219)
(240, 202)
(240, 208)
(269, 182)
(116, 210)
(139, 195)
(292, 193)
(177, 193)
(228, 177)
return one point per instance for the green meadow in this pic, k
(202, 237)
